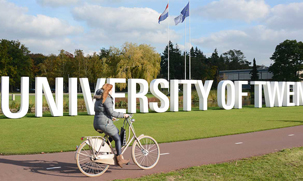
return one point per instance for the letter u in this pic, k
(5, 97)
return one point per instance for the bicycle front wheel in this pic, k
(86, 163)
(146, 152)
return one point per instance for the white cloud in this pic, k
(188, 47)
(112, 26)
(50, 46)
(286, 16)
(15, 22)
(57, 3)
(40, 31)
(257, 42)
(247, 10)
(121, 19)
(223, 39)
(277, 24)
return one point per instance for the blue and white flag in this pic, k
(178, 19)
(164, 15)
(185, 12)
(183, 15)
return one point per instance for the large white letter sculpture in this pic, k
(164, 101)
(187, 93)
(274, 92)
(87, 95)
(239, 93)
(203, 92)
(73, 96)
(89, 102)
(5, 98)
(230, 94)
(113, 81)
(298, 97)
(56, 109)
(174, 95)
(132, 95)
(258, 92)
(288, 93)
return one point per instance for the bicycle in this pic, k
(95, 153)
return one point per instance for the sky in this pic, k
(255, 27)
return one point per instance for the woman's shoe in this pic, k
(121, 161)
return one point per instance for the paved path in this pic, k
(177, 155)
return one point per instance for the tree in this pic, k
(202, 68)
(164, 62)
(288, 57)
(198, 64)
(65, 60)
(36, 71)
(254, 72)
(98, 68)
(235, 60)
(216, 63)
(14, 62)
(5, 60)
(254, 77)
(57, 66)
(49, 68)
(176, 63)
(138, 62)
(81, 64)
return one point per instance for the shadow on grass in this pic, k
(290, 121)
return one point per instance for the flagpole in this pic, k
(189, 42)
(168, 45)
(185, 51)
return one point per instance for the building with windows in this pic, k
(244, 75)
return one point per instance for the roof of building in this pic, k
(262, 69)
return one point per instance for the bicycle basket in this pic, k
(123, 136)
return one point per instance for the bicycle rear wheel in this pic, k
(86, 163)
(146, 154)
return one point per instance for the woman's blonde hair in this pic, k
(106, 89)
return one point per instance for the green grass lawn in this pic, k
(55, 134)
(283, 165)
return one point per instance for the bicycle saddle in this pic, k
(99, 131)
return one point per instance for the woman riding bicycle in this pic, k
(104, 113)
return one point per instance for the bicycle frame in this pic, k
(129, 141)
(101, 144)
(95, 153)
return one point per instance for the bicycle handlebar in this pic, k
(129, 118)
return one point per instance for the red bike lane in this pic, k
(176, 155)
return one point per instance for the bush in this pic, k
(195, 96)
(30, 106)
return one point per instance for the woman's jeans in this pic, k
(117, 141)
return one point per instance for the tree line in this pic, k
(129, 61)
(139, 61)
(288, 61)
(202, 67)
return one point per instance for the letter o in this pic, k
(223, 85)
